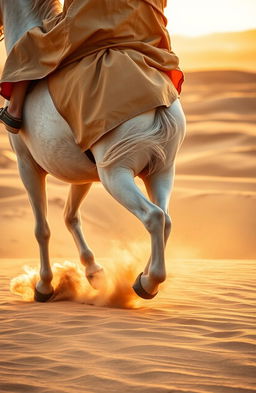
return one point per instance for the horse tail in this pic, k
(152, 141)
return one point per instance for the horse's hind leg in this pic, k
(33, 178)
(76, 195)
(159, 187)
(119, 182)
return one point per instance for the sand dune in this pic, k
(230, 50)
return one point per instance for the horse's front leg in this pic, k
(76, 195)
(33, 178)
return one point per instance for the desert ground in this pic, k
(198, 335)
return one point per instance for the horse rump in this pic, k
(154, 141)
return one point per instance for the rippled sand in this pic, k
(198, 335)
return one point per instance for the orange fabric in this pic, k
(106, 62)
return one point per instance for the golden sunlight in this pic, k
(203, 17)
(199, 17)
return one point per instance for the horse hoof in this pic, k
(140, 291)
(97, 279)
(42, 297)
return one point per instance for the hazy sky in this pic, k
(196, 17)
(203, 16)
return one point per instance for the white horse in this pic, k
(144, 146)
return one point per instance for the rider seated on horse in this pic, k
(112, 54)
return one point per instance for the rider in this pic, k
(122, 60)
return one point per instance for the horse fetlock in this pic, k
(157, 275)
(44, 287)
(46, 275)
(87, 257)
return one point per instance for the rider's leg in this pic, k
(11, 116)
(15, 106)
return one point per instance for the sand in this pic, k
(198, 334)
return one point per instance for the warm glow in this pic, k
(199, 17)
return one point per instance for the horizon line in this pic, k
(211, 33)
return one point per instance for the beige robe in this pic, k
(105, 60)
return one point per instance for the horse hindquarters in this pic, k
(119, 158)
(156, 137)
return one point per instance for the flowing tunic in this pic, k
(106, 61)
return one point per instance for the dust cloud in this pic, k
(114, 283)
